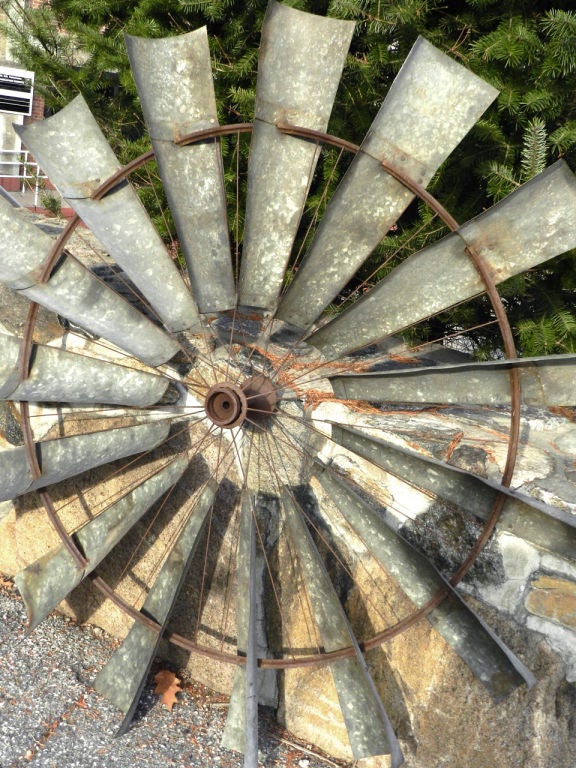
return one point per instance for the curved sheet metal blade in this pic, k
(57, 375)
(431, 106)
(490, 660)
(544, 381)
(48, 580)
(75, 293)
(300, 64)
(174, 80)
(124, 676)
(533, 224)
(73, 152)
(66, 457)
(548, 527)
(367, 723)
(241, 730)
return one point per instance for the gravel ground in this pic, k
(51, 717)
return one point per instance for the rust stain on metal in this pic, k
(454, 443)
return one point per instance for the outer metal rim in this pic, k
(318, 659)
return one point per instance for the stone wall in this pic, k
(526, 593)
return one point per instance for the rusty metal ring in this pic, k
(318, 659)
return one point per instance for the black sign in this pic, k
(15, 83)
(16, 91)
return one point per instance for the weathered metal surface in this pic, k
(546, 526)
(9, 358)
(545, 381)
(533, 224)
(241, 730)
(368, 727)
(66, 457)
(60, 376)
(75, 293)
(300, 64)
(73, 152)
(48, 580)
(174, 80)
(490, 660)
(431, 106)
(124, 676)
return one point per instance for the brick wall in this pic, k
(37, 109)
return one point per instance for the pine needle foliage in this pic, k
(526, 49)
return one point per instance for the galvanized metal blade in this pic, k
(530, 226)
(368, 727)
(174, 80)
(66, 457)
(73, 152)
(49, 580)
(124, 676)
(431, 106)
(546, 526)
(241, 730)
(75, 293)
(300, 64)
(490, 660)
(57, 375)
(545, 381)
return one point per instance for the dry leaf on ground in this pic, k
(167, 684)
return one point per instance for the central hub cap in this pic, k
(228, 405)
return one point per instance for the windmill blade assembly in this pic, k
(189, 432)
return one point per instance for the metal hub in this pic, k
(229, 405)
(226, 405)
(260, 395)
